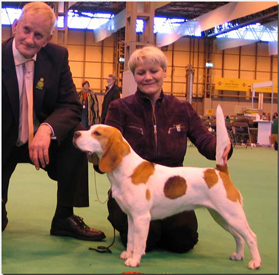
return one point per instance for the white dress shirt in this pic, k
(19, 60)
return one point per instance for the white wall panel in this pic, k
(230, 74)
(263, 76)
(182, 44)
(231, 62)
(108, 54)
(108, 69)
(76, 37)
(76, 68)
(263, 63)
(93, 53)
(92, 70)
(217, 60)
(234, 51)
(247, 74)
(181, 59)
(262, 49)
(247, 62)
(252, 57)
(167, 87)
(179, 88)
(76, 53)
(249, 49)
(90, 38)
(275, 64)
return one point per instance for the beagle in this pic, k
(147, 191)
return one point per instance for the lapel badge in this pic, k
(40, 84)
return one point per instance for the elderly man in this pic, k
(112, 93)
(40, 112)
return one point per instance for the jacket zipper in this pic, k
(177, 127)
(137, 128)
(155, 128)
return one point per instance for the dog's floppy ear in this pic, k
(93, 158)
(112, 156)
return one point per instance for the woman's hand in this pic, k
(226, 153)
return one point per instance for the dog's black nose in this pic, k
(77, 134)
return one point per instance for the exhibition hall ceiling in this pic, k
(182, 9)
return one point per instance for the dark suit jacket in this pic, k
(111, 95)
(55, 98)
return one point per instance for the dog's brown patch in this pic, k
(232, 193)
(142, 172)
(175, 187)
(210, 177)
(114, 146)
(107, 135)
(223, 168)
(148, 195)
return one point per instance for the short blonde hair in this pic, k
(149, 55)
(40, 8)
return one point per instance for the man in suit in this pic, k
(112, 93)
(56, 116)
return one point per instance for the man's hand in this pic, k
(38, 149)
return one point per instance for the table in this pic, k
(264, 131)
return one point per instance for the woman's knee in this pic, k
(182, 243)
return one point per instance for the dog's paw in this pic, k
(236, 257)
(131, 262)
(254, 264)
(125, 255)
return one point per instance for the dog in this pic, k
(147, 191)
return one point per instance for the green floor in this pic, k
(27, 246)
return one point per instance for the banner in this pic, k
(232, 84)
(243, 85)
(267, 89)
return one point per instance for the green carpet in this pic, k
(27, 246)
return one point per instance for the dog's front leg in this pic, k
(128, 253)
(139, 237)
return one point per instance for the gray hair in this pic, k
(112, 76)
(40, 8)
(148, 54)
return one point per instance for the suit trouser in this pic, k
(177, 233)
(68, 166)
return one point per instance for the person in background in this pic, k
(54, 113)
(273, 138)
(90, 105)
(112, 93)
(157, 127)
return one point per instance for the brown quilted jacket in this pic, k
(160, 135)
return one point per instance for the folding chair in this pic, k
(241, 133)
(230, 132)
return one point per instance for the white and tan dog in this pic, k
(146, 191)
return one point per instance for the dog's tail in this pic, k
(222, 136)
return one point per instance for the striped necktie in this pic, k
(26, 124)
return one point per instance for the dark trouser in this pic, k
(68, 166)
(177, 233)
(84, 118)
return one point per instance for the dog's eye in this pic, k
(96, 133)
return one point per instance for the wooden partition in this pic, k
(94, 61)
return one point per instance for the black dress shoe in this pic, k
(75, 227)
